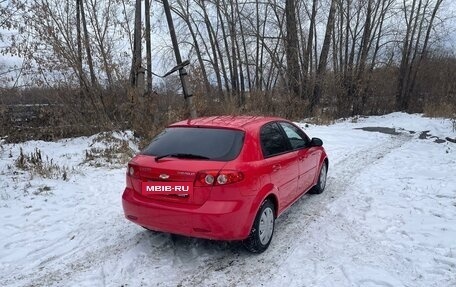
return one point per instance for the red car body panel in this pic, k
(223, 212)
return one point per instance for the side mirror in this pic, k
(316, 142)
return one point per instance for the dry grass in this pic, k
(43, 190)
(106, 149)
(440, 109)
(323, 117)
(444, 110)
(71, 112)
(37, 166)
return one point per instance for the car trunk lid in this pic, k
(169, 169)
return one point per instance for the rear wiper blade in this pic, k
(181, 155)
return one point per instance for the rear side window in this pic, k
(211, 143)
(273, 140)
(296, 137)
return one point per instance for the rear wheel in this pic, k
(262, 230)
(321, 184)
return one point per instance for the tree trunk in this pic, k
(187, 18)
(400, 103)
(257, 47)
(321, 70)
(182, 73)
(291, 49)
(234, 54)
(100, 33)
(136, 61)
(227, 49)
(362, 59)
(308, 50)
(81, 76)
(87, 45)
(148, 46)
(244, 47)
(212, 42)
(423, 50)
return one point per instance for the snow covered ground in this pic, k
(387, 218)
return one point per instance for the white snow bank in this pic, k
(387, 218)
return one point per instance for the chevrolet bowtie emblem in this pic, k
(164, 176)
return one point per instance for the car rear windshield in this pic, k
(210, 143)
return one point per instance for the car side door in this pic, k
(280, 162)
(307, 160)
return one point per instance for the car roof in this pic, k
(234, 122)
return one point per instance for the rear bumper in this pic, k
(221, 220)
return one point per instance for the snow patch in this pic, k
(387, 218)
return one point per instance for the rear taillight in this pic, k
(128, 181)
(215, 177)
(131, 170)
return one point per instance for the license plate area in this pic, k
(180, 189)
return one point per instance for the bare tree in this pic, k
(308, 50)
(82, 80)
(93, 78)
(184, 13)
(100, 20)
(148, 46)
(291, 48)
(214, 46)
(345, 54)
(315, 100)
(415, 46)
(136, 59)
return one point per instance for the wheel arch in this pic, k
(323, 160)
(269, 191)
(326, 161)
(275, 201)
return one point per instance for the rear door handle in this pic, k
(276, 167)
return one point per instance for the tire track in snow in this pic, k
(241, 267)
(53, 271)
(229, 261)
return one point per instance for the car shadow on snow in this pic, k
(184, 244)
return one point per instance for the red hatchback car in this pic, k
(224, 178)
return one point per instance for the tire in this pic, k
(321, 184)
(262, 230)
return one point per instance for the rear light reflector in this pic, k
(215, 177)
(222, 179)
(132, 172)
(209, 179)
